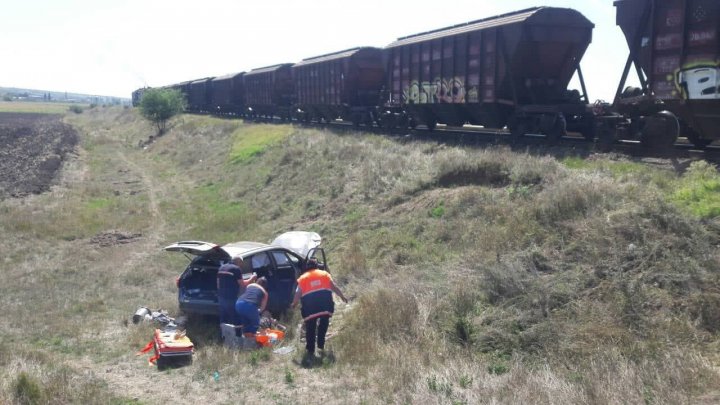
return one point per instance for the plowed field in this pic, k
(32, 148)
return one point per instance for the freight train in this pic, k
(509, 71)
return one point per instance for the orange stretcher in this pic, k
(172, 348)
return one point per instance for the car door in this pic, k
(281, 286)
(318, 254)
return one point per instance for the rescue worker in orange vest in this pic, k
(314, 291)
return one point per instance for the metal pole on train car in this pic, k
(582, 84)
(634, 50)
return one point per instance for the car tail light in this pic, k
(177, 281)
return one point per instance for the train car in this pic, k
(227, 94)
(343, 84)
(512, 69)
(182, 87)
(200, 95)
(675, 47)
(269, 91)
(137, 96)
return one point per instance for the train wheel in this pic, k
(660, 130)
(518, 128)
(557, 129)
(431, 124)
(606, 137)
(696, 139)
(589, 129)
(412, 123)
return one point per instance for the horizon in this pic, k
(73, 93)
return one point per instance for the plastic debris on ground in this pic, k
(160, 316)
(284, 350)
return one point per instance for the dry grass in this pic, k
(37, 107)
(478, 276)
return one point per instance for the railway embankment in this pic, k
(475, 275)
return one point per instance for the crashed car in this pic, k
(281, 262)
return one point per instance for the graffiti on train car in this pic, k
(440, 90)
(699, 80)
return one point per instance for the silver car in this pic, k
(281, 262)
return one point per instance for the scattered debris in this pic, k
(268, 322)
(160, 316)
(284, 350)
(265, 337)
(114, 237)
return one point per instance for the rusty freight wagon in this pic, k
(675, 47)
(227, 94)
(343, 84)
(200, 95)
(183, 88)
(511, 69)
(269, 91)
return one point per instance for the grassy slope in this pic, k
(477, 275)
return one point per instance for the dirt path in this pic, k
(152, 189)
(130, 376)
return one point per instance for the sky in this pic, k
(112, 47)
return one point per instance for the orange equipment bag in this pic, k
(172, 348)
(269, 337)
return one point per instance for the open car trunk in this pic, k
(280, 263)
(197, 286)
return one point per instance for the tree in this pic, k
(159, 105)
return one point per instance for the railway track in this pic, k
(573, 142)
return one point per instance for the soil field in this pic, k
(32, 148)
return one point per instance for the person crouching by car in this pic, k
(248, 308)
(314, 292)
(230, 285)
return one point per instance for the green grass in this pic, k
(251, 141)
(36, 107)
(698, 191)
(575, 162)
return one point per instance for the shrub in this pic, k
(28, 390)
(159, 105)
(439, 210)
(462, 170)
(503, 281)
(463, 302)
(575, 197)
(379, 317)
(76, 109)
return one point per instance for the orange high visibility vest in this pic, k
(313, 281)
(316, 294)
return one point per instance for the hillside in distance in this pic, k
(20, 94)
(475, 275)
